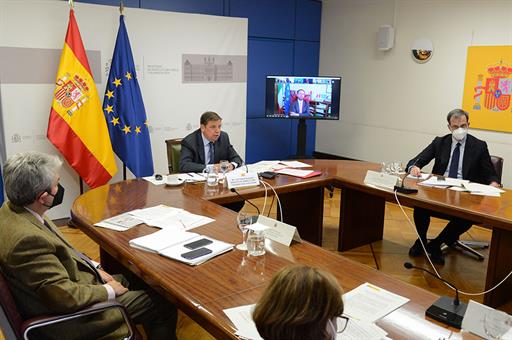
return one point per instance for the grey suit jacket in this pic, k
(192, 152)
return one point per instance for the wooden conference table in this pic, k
(233, 279)
(362, 213)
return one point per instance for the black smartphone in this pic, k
(268, 174)
(197, 244)
(194, 254)
(158, 177)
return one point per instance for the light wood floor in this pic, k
(387, 255)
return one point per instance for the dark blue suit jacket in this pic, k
(476, 163)
(192, 152)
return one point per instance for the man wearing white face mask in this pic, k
(457, 155)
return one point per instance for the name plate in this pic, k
(279, 231)
(242, 179)
(380, 179)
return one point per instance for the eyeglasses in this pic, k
(341, 324)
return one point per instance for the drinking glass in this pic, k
(243, 219)
(255, 243)
(212, 178)
(497, 323)
(224, 167)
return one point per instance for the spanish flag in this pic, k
(77, 125)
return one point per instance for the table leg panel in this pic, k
(361, 219)
(305, 209)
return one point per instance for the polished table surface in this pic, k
(232, 279)
(359, 227)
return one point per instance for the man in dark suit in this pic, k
(300, 107)
(207, 146)
(47, 275)
(457, 155)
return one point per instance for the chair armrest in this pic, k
(43, 321)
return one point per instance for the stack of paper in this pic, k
(166, 217)
(482, 189)
(171, 244)
(121, 222)
(443, 182)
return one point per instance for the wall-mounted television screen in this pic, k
(303, 97)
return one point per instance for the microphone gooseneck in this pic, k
(246, 200)
(456, 301)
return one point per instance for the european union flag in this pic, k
(287, 97)
(124, 110)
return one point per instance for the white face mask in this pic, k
(459, 133)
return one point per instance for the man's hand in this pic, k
(495, 184)
(217, 167)
(415, 171)
(105, 276)
(119, 289)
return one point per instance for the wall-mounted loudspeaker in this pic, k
(385, 38)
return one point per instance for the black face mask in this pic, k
(58, 197)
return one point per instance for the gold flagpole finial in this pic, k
(71, 3)
(121, 7)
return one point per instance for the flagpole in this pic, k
(81, 185)
(121, 7)
(124, 172)
(71, 3)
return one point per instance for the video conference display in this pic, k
(303, 97)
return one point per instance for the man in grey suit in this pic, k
(207, 146)
(47, 275)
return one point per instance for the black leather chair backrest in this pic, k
(497, 162)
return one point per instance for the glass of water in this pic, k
(212, 178)
(224, 167)
(243, 220)
(255, 243)
(496, 324)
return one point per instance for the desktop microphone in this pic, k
(403, 189)
(246, 200)
(446, 310)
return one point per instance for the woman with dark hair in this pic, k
(300, 302)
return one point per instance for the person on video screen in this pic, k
(300, 107)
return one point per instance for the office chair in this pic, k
(471, 246)
(14, 327)
(173, 154)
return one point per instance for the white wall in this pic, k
(392, 107)
(158, 38)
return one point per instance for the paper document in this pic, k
(241, 317)
(434, 181)
(298, 173)
(422, 176)
(482, 189)
(357, 330)
(120, 222)
(161, 239)
(166, 217)
(192, 177)
(370, 303)
(217, 247)
(295, 164)
(153, 180)
(474, 320)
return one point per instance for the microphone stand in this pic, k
(446, 310)
(403, 189)
(253, 218)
